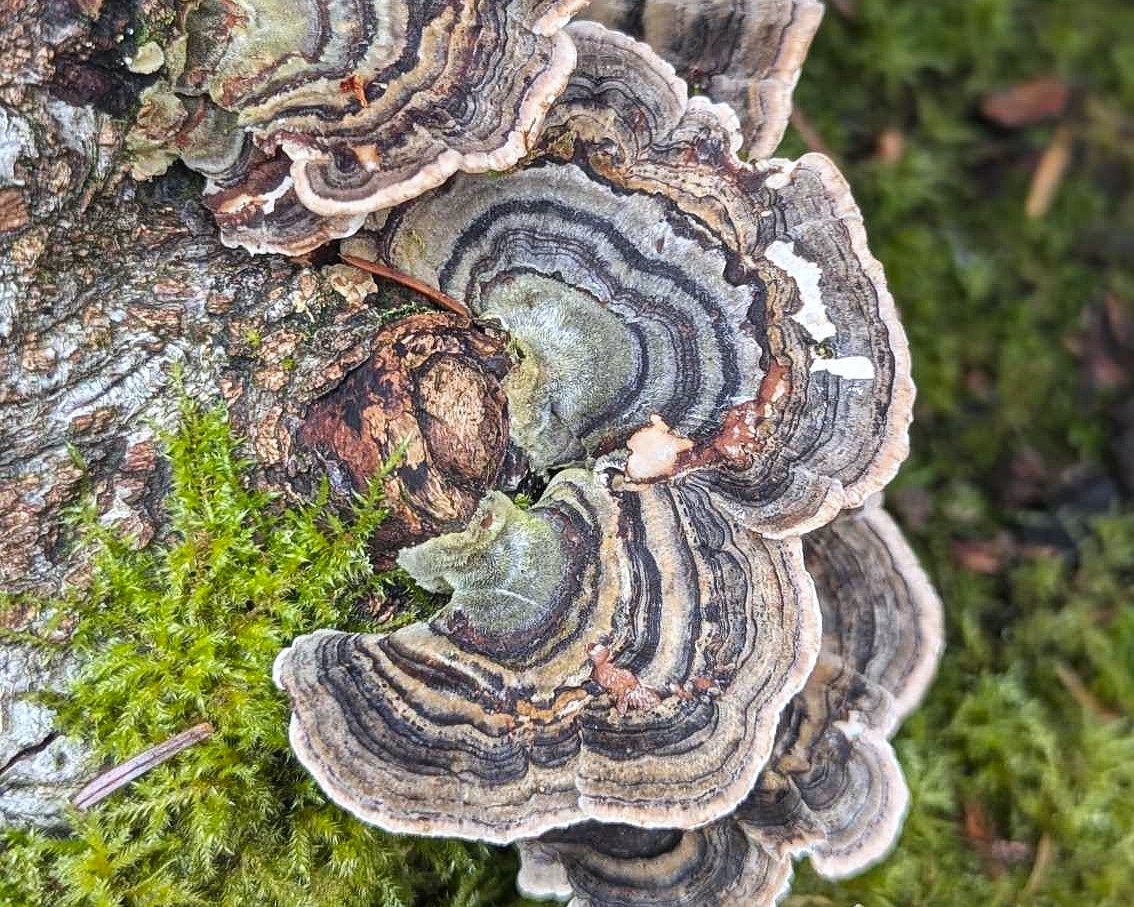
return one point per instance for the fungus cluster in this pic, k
(679, 668)
(832, 787)
(307, 115)
(744, 53)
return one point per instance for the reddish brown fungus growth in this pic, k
(628, 691)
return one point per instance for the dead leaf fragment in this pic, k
(1027, 103)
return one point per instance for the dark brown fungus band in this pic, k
(744, 53)
(723, 321)
(377, 101)
(429, 396)
(832, 790)
(610, 654)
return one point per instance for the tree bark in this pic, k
(108, 289)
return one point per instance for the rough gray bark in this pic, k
(107, 288)
(39, 768)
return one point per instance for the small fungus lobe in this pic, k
(744, 53)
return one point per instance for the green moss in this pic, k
(185, 632)
(990, 300)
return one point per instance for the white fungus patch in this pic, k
(654, 451)
(812, 314)
(854, 367)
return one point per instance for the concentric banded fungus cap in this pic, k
(744, 53)
(724, 321)
(257, 209)
(430, 399)
(833, 788)
(252, 196)
(376, 101)
(610, 654)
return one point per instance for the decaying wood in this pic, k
(429, 403)
(110, 308)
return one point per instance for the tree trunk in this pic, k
(108, 290)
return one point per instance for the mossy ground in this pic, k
(185, 631)
(1021, 761)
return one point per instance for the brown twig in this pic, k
(442, 299)
(121, 775)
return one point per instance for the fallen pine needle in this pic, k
(1045, 854)
(1079, 692)
(1048, 175)
(121, 775)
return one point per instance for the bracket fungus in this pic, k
(615, 654)
(832, 790)
(744, 53)
(357, 105)
(706, 360)
(723, 324)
